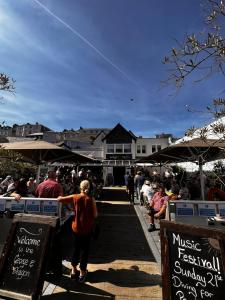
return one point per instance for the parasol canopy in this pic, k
(40, 151)
(197, 150)
(189, 151)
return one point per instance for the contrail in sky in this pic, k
(88, 43)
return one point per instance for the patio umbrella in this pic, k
(207, 150)
(197, 150)
(38, 152)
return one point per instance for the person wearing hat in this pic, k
(148, 191)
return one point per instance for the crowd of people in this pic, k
(56, 182)
(155, 191)
(80, 190)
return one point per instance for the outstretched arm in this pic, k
(16, 196)
(65, 199)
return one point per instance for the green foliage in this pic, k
(219, 168)
(12, 163)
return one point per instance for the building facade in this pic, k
(116, 150)
(26, 129)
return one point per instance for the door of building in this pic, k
(118, 174)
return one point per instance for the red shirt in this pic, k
(215, 192)
(158, 201)
(49, 189)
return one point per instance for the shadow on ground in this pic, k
(121, 236)
(78, 291)
(127, 278)
(132, 277)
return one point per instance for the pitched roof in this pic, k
(119, 129)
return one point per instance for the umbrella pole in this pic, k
(38, 174)
(202, 183)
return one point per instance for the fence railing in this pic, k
(179, 208)
(42, 206)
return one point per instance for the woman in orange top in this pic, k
(85, 213)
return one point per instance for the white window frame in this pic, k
(143, 149)
(130, 148)
(110, 152)
(119, 147)
(157, 148)
(140, 148)
(115, 149)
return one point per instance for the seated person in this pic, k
(157, 207)
(215, 193)
(18, 189)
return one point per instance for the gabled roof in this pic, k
(134, 136)
(102, 131)
(119, 130)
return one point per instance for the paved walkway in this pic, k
(122, 265)
(124, 261)
(153, 238)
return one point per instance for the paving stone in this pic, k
(122, 266)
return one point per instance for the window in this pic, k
(153, 148)
(127, 148)
(143, 148)
(156, 148)
(119, 148)
(138, 148)
(110, 148)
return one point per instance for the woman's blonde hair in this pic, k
(85, 186)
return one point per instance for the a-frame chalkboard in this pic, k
(193, 262)
(24, 257)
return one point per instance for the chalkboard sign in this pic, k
(24, 258)
(193, 262)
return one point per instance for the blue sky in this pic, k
(78, 63)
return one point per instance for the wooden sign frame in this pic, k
(49, 223)
(167, 227)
